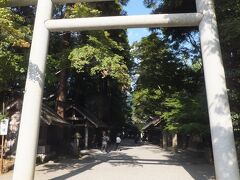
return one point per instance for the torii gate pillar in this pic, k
(224, 151)
(29, 128)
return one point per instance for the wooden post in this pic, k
(86, 136)
(3, 108)
(1, 168)
(165, 139)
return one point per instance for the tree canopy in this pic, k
(15, 42)
(93, 68)
(182, 108)
(90, 68)
(166, 88)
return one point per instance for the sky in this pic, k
(136, 7)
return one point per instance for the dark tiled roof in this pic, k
(88, 115)
(47, 114)
(51, 117)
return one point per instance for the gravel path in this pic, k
(145, 162)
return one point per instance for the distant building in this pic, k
(50, 124)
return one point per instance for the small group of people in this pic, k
(106, 142)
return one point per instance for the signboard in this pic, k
(4, 126)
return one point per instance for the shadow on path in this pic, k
(196, 166)
(79, 166)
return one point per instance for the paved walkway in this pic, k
(145, 162)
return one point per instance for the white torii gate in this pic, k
(224, 151)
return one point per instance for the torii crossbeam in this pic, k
(225, 159)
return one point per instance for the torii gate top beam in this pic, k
(122, 22)
(14, 3)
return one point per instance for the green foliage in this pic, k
(2, 117)
(97, 55)
(14, 44)
(12, 29)
(81, 10)
(195, 128)
(96, 63)
(2, 2)
(186, 114)
(159, 68)
(228, 13)
(158, 76)
(146, 103)
(167, 88)
(184, 41)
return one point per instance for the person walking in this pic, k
(118, 141)
(105, 140)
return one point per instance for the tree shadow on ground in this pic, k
(194, 164)
(77, 166)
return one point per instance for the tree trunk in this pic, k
(61, 97)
